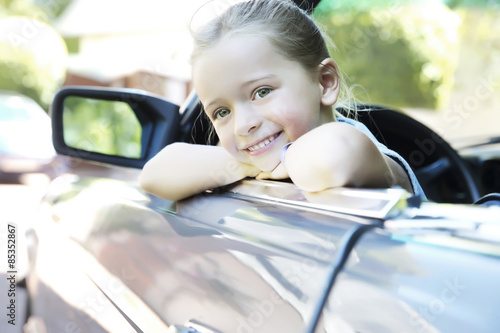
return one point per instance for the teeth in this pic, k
(262, 144)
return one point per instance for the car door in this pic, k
(253, 257)
(432, 271)
(257, 258)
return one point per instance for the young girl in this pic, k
(264, 76)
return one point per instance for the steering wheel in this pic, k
(442, 173)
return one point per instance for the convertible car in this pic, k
(256, 256)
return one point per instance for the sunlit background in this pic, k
(437, 60)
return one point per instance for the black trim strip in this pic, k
(347, 244)
(130, 321)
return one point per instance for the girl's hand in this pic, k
(248, 170)
(278, 173)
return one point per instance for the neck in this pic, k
(326, 115)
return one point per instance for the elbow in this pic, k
(145, 181)
(150, 185)
(160, 177)
(150, 182)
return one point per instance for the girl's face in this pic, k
(257, 100)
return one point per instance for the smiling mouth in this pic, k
(263, 143)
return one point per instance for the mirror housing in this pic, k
(158, 118)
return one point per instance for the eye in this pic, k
(261, 93)
(221, 113)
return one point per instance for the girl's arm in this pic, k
(336, 155)
(180, 170)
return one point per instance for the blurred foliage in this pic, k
(364, 5)
(401, 53)
(19, 69)
(18, 72)
(473, 3)
(73, 44)
(106, 127)
(21, 8)
(42, 10)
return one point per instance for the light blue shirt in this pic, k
(417, 189)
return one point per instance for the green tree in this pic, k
(402, 54)
(20, 68)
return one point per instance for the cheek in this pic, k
(297, 123)
(295, 132)
(297, 116)
(227, 144)
(226, 140)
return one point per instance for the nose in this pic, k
(247, 120)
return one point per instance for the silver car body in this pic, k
(260, 258)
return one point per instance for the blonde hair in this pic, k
(289, 28)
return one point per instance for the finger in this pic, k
(263, 175)
(279, 172)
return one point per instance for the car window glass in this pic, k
(100, 126)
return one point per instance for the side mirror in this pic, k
(124, 127)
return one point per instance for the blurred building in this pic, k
(128, 43)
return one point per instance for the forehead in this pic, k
(236, 59)
(233, 50)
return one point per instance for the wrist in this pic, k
(283, 153)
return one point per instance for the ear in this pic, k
(329, 82)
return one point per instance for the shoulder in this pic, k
(340, 135)
(359, 126)
(337, 137)
(348, 129)
(344, 125)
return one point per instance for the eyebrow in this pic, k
(249, 82)
(215, 101)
